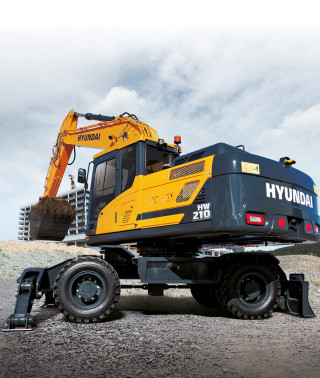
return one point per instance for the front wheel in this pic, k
(87, 290)
(250, 291)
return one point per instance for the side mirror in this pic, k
(82, 175)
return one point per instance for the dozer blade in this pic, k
(51, 218)
(297, 296)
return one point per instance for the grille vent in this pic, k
(187, 191)
(196, 156)
(126, 216)
(180, 161)
(201, 197)
(191, 169)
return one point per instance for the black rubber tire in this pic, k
(205, 295)
(250, 291)
(83, 272)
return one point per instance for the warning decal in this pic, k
(250, 168)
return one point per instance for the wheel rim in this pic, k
(87, 289)
(253, 290)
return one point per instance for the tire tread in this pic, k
(106, 312)
(222, 293)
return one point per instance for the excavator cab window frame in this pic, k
(128, 157)
(105, 178)
(98, 202)
(157, 166)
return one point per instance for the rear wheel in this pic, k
(205, 295)
(250, 291)
(87, 290)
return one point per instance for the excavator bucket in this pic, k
(51, 218)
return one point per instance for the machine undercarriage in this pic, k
(87, 289)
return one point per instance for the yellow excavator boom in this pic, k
(110, 134)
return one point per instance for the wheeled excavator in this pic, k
(174, 208)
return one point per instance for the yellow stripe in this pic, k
(162, 221)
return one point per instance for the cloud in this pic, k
(301, 122)
(298, 137)
(118, 99)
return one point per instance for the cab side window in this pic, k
(128, 167)
(154, 160)
(105, 179)
(104, 187)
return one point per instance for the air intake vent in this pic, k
(187, 191)
(126, 217)
(181, 161)
(201, 197)
(188, 170)
(196, 156)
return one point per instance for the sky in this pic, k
(239, 72)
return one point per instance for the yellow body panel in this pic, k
(152, 193)
(121, 213)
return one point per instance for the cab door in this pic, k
(126, 207)
(104, 189)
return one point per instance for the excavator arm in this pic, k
(51, 218)
(110, 134)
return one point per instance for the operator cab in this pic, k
(115, 172)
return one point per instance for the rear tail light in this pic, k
(255, 219)
(308, 226)
(316, 229)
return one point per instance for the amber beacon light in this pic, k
(177, 139)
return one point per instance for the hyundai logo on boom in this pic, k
(288, 194)
(89, 137)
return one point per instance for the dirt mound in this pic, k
(301, 263)
(55, 206)
(28, 247)
(16, 256)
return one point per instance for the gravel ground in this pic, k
(159, 336)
